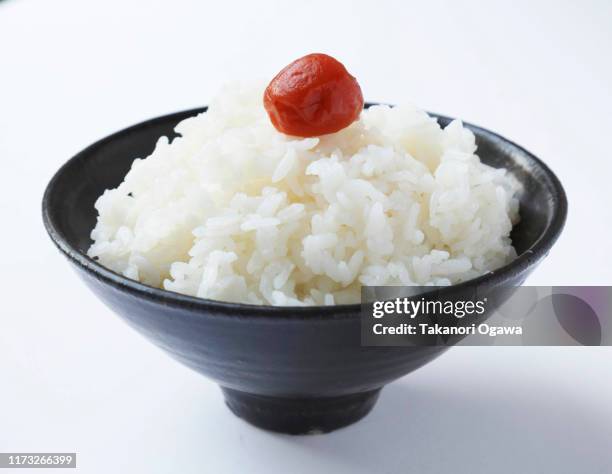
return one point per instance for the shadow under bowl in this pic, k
(287, 369)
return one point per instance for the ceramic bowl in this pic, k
(287, 369)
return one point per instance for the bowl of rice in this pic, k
(241, 251)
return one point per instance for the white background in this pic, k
(73, 377)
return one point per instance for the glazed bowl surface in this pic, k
(288, 369)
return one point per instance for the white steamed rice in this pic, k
(233, 210)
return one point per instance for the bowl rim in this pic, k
(529, 257)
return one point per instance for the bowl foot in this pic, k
(300, 415)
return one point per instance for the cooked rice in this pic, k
(233, 210)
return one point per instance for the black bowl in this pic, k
(288, 369)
